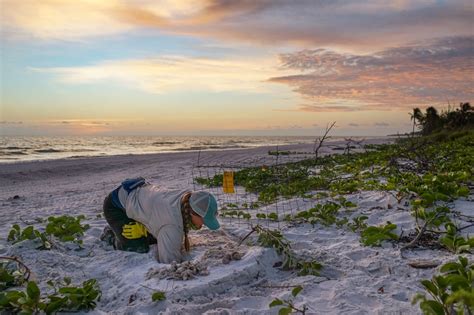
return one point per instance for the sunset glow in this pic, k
(118, 67)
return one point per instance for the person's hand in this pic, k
(134, 230)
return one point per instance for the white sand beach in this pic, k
(354, 280)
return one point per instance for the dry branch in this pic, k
(318, 143)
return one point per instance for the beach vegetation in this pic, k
(276, 152)
(287, 306)
(452, 119)
(64, 298)
(273, 216)
(424, 173)
(358, 223)
(236, 214)
(455, 242)
(325, 214)
(158, 296)
(374, 235)
(10, 276)
(291, 261)
(342, 222)
(17, 235)
(67, 228)
(450, 292)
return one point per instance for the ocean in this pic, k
(32, 148)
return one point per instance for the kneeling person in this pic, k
(141, 214)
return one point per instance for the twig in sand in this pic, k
(321, 140)
(417, 238)
(468, 218)
(246, 236)
(465, 227)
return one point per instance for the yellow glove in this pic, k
(134, 230)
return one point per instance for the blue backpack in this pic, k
(129, 185)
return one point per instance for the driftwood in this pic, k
(423, 264)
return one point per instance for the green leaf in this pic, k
(28, 233)
(432, 307)
(158, 296)
(430, 286)
(463, 191)
(296, 290)
(285, 311)
(56, 303)
(33, 291)
(276, 302)
(463, 296)
(457, 281)
(450, 266)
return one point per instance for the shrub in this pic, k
(451, 292)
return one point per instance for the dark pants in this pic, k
(117, 218)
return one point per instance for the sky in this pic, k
(223, 67)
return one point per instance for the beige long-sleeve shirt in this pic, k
(159, 209)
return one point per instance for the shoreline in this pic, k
(297, 146)
(58, 151)
(67, 168)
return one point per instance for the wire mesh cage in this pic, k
(240, 205)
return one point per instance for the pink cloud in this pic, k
(395, 78)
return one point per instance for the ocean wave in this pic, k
(13, 153)
(227, 146)
(192, 148)
(48, 151)
(34, 148)
(164, 142)
(77, 156)
(211, 147)
(14, 148)
(81, 150)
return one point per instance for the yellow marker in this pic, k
(228, 183)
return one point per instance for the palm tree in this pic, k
(432, 120)
(416, 115)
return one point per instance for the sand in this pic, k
(355, 279)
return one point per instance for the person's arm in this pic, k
(169, 241)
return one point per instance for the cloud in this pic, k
(372, 23)
(381, 124)
(328, 108)
(295, 127)
(83, 122)
(173, 73)
(5, 122)
(396, 78)
(62, 20)
(354, 125)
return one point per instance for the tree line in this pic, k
(432, 121)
